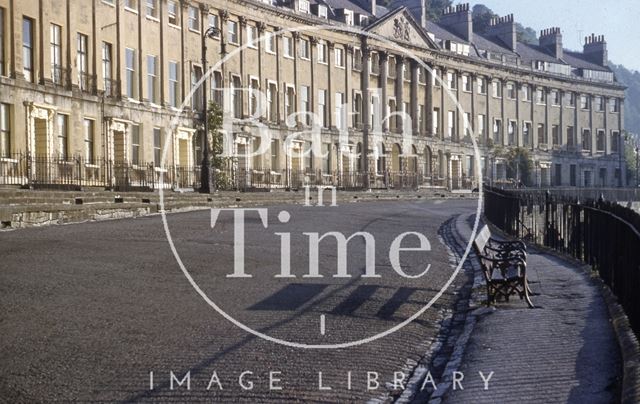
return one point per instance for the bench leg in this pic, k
(526, 290)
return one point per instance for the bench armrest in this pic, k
(489, 264)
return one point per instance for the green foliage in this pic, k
(216, 144)
(631, 79)
(518, 162)
(630, 158)
(482, 16)
(435, 8)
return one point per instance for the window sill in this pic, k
(174, 26)
(8, 160)
(195, 31)
(270, 52)
(131, 10)
(152, 18)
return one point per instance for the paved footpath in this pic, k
(563, 351)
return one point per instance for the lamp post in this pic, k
(207, 180)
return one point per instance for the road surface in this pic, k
(89, 311)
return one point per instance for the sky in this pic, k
(617, 20)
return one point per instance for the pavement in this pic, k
(89, 312)
(562, 351)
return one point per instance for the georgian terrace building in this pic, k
(90, 88)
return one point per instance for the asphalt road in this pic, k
(87, 311)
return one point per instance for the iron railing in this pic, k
(60, 76)
(601, 234)
(111, 88)
(76, 172)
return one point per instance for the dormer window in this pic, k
(364, 20)
(322, 12)
(348, 17)
(539, 65)
(303, 6)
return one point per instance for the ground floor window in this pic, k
(5, 131)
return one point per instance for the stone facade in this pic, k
(105, 79)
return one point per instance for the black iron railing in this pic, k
(76, 172)
(602, 234)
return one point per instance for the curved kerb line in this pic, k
(174, 123)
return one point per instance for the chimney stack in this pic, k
(459, 19)
(595, 49)
(417, 8)
(551, 39)
(504, 28)
(372, 7)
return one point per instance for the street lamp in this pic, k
(637, 150)
(207, 179)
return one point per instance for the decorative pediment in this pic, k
(400, 26)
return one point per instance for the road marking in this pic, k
(322, 324)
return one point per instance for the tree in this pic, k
(631, 144)
(215, 144)
(482, 16)
(518, 163)
(435, 8)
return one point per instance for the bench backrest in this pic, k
(482, 239)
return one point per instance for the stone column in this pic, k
(577, 131)
(384, 64)
(366, 113)
(428, 102)
(261, 26)
(246, 99)
(547, 131)
(504, 133)
(331, 97)
(561, 131)
(488, 81)
(519, 139)
(593, 134)
(400, 61)
(534, 122)
(413, 105)
(473, 121)
(296, 76)
(605, 101)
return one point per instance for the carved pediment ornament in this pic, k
(401, 29)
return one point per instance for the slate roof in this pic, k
(349, 5)
(577, 59)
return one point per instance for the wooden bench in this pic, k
(504, 265)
